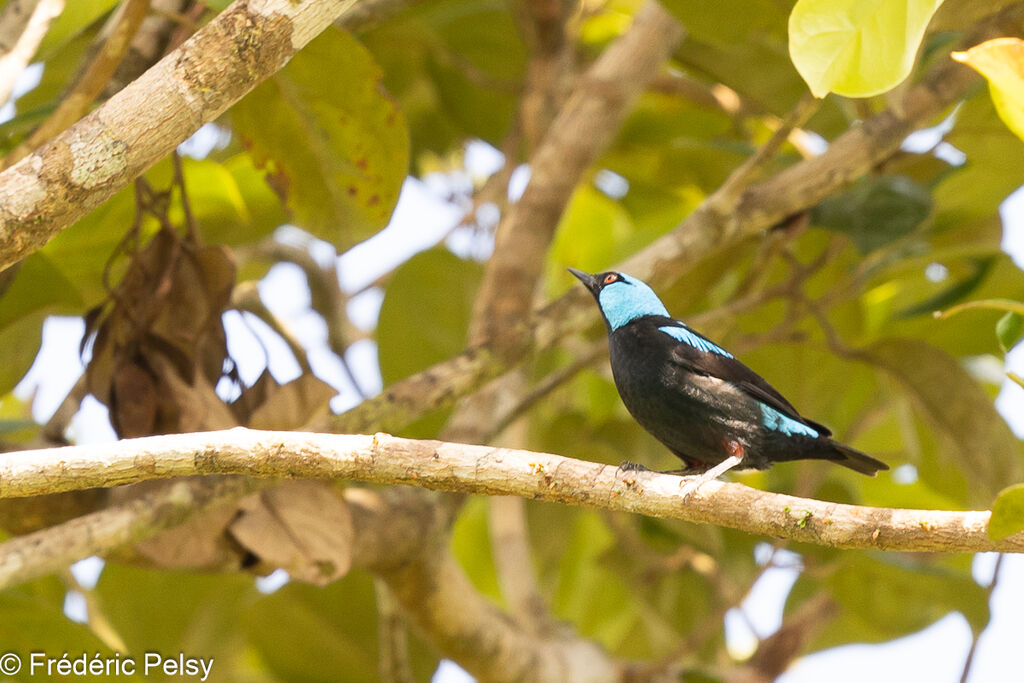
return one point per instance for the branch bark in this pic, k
(496, 471)
(84, 166)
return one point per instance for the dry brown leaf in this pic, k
(292, 405)
(300, 526)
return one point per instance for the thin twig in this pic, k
(977, 636)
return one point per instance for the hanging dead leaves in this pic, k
(159, 350)
(159, 346)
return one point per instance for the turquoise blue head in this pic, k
(622, 298)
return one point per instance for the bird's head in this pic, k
(622, 298)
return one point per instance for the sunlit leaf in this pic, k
(74, 18)
(1009, 330)
(1001, 61)
(857, 48)
(993, 169)
(1007, 512)
(334, 146)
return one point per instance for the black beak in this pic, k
(591, 281)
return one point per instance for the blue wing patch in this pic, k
(698, 342)
(776, 421)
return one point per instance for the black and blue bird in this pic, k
(692, 395)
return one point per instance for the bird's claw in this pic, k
(627, 466)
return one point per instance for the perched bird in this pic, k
(692, 395)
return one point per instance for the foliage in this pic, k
(834, 308)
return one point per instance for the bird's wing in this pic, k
(698, 354)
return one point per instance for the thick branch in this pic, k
(481, 469)
(84, 166)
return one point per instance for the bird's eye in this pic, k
(610, 278)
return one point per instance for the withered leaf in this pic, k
(300, 526)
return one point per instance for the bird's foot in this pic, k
(627, 466)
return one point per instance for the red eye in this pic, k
(610, 278)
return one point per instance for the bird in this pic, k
(712, 411)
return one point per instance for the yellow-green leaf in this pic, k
(1007, 512)
(1008, 330)
(333, 144)
(1001, 61)
(857, 48)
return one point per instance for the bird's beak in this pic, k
(587, 279)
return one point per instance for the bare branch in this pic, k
(496, 471)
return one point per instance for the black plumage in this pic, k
(708, 408)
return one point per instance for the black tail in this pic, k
(855, 460)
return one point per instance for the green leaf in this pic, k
(75, 18)
(857, 48)
(471, 546)
(1007, 512)
(591, 227)
(455, 67)
(334, 146)
(194, 613)
(882, 598)
(994, 168)
(306, 633)
(592, 596)
(423, 319)
(957, 289)
(875, 211)
(1001, 62)
(20, 341)
(957, 408)
(230, 200)
(32, 620)
(1009, 329)
(39, 286)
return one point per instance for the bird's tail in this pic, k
(855, 460)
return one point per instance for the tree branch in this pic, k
(48, 550)
(496, 471)
(85, 165)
